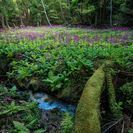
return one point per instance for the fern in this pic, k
(20, 127)
(67, 123)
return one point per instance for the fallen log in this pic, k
(88, 111)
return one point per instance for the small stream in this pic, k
(48, 103)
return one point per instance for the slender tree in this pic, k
(111, 11)
(46, 13)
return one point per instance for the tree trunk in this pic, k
(21, 21)
(3, 22)
(7, 24)
(111, 11)
(46, 13)
(96, 19)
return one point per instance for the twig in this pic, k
(1, 94)
(126, 73)
(123, 125)
(108, 124)
(112, 125)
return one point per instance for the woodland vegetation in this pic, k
(66, 66)
(66, 12)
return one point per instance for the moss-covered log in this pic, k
(115, 108)
(88, 110)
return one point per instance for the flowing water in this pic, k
(46, 102)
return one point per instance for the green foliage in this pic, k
(54, 64)
(117, 109)
(126, 12)
(55, 82)
(20, 127)
(67, 123)
(25, 12)
(22, 116)
(126, 92)
(59, 66)
(130, 131)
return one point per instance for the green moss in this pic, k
(111, 90)
(88, 110)
(115, 108)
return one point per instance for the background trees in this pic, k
(88, 12)
(126, 9)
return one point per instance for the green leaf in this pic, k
(40, 131)
(20, 127)
(130, 131)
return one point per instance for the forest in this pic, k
(66, 66)
(67, 12)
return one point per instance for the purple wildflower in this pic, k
(120, 28)
(112, 40)
(76, 38)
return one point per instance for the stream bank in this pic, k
(21, 114)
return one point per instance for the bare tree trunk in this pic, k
(104, 12)
(96, 19)
(3, 21)
(69, 11)
(46, 13)
(7, 24)
(21, 21)
(111, 11)
(14, 25)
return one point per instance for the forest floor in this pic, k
(43, 72)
